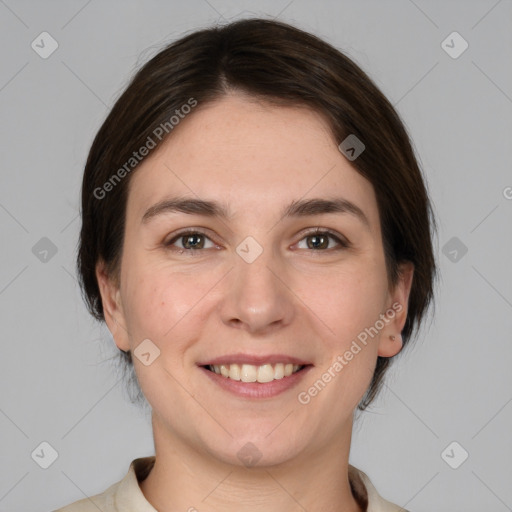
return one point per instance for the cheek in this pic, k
(161, 303)
(349, 306)
(350, 300)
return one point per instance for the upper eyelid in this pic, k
(187, 231)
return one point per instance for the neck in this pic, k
(185, 479)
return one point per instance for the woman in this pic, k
(257, 237)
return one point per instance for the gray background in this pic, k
(454, 384)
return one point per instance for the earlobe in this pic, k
(390, 345)
(391, 341)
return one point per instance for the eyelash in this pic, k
(344, 244)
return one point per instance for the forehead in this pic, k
(251, 156)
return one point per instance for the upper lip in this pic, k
(256, 360)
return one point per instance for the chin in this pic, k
(257, 448)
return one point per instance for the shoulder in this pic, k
(103, 501)
(367, 495)
(121, 496)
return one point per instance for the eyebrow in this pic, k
(298, 208)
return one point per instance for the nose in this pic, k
(258, 299)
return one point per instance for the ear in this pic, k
(396, 313)
(112, 307)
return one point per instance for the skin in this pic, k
(306, 302)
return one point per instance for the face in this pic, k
(282, 278)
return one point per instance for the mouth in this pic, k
(252, 377)
(251, 373)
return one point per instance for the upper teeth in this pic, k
(251, 373)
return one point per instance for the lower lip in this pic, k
(257, 389)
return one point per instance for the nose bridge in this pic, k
(256, 297)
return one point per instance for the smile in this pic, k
(255, 376)
(251, 373)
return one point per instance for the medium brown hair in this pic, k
(283, 65)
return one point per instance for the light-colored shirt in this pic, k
(126, 495)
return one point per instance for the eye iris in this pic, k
(316, 244)
(190, 238)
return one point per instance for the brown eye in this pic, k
(189, 241)
(320, 240)
(193, 241)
